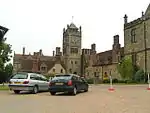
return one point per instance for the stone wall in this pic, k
(139, 37)
(100, 71)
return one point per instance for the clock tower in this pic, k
(72, 48)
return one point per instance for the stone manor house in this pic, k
(74, 59)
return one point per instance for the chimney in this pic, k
(116, 39)
(40, 52)
(93, 47)
(23, 51)
(116, 44)
(53, 53)
(57, 51)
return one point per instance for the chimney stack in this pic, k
(23, 50)
(40, 52)
(53, 53)
(93, 49)
(116, 39)
(57, 51)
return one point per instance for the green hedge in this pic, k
(90, 81)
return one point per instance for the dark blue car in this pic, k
(70, 83)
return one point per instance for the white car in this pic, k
(33, 82)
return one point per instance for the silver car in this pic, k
(24, 81)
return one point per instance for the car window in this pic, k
(20, 76)
(83, 80)
(74, 78)
(66, 77)
(80, 79)
(34, 77)
(43, 78)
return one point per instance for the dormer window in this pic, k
(43, 68)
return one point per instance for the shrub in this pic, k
(130, 81)
(106, 81)
(90, 81)
(115, 80)
(139, 76)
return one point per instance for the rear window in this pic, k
(66, 77)
(20, 76)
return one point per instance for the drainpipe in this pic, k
(102, 73)
(145, 47)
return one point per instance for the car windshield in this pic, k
(66, 77)
(20, 76)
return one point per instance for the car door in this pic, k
(45, 82)
(33, 79)
(84, 84)
(80, 83)
(76, 82)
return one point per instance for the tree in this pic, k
(5, 51)
(8, 70)
(5, 54)
(126, 69)
(139, 75)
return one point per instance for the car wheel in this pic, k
(35, 89)
(86, 90)
(16, 91)
(74, 91)
(52, 93)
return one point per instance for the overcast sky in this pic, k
(38, 24)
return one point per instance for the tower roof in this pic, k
(147, 13)
(73, 26)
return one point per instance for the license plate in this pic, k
(17, 82)
(58, 83)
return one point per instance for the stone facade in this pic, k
(69, 60)
(87, 61)
(72, 37)
(137, 40)
(102, 65)
(38, 63)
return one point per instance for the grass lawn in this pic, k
(5, 87)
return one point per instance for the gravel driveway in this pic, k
(125, 99)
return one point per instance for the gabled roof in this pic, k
(72, 25)
(147, 13)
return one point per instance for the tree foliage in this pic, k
(126, 69)
(139, 75)
(9, 69)
(5, 54)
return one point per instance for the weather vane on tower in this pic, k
(72, 18)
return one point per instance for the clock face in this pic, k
(75, 41)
